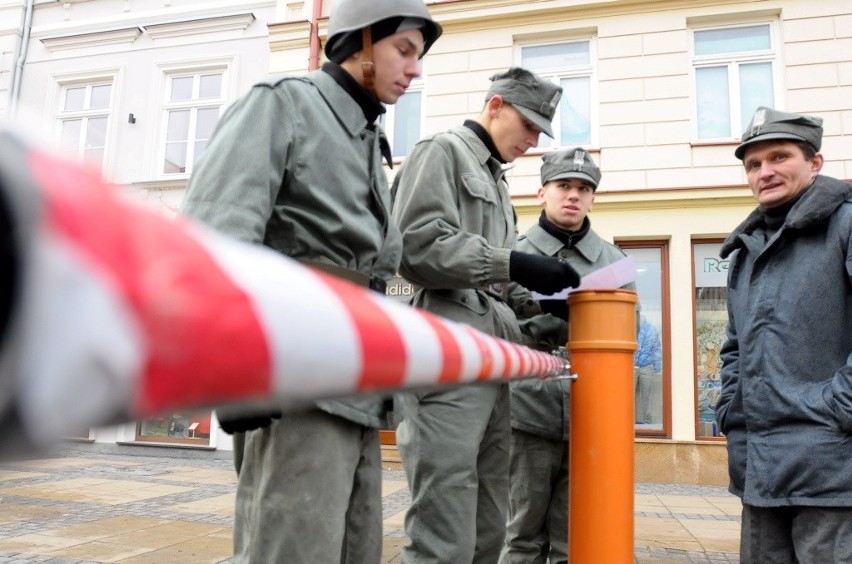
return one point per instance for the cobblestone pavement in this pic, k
(89, 508)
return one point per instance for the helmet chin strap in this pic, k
(368, 68)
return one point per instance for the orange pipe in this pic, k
(602, 341)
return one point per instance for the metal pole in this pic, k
(602, 341)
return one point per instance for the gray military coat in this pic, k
(458, 225)
(786, 399)
(541, 407)
(307, 181)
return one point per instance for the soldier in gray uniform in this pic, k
(452, 204)
(538, 505)
(296, 165)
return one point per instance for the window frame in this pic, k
(665, 333)
(696, 351)
(61, 84)
(556, 75)
(732, 62)
(166, 74)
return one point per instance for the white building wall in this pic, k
(11, 28)
(135, 41)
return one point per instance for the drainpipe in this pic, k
(313, 59)
(22, 58)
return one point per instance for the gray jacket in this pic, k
(786, 398)
(452, 205)
(306, 180)
(541, 407)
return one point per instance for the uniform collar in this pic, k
(371, 107)
(485, 137)
(345, 97)
(569, 238)
(589, 247)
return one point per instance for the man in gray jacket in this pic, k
(297, 165)
(537, 530)
(452, 204)
(786, 399)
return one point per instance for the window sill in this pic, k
(166, 445)
(725, 143)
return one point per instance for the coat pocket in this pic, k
(464, 306)
(479, 188)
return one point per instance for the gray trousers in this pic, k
(796, 535)
(538, 501)
(310, 490)
(454, 446)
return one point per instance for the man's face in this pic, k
(397, 63)
(512, 133)
(567, 202)
(778, 171)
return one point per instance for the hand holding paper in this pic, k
(610, 277)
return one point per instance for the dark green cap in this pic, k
(569, 163)
(767, 124)
(536, 99)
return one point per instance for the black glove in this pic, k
(241, 423)
(545, 275)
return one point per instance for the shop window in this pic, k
(651, 372)
(735, 73)
(711, 321)
(179, 427)
(569, 64)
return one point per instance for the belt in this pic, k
(372, 282)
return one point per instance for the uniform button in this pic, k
(563, 253)
(464, 299)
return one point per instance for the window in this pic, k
(568, 64)
(181, 427)
(402, 121)
(650, 369)
(711, 322)
(735, 71)
(193, 104)
(83, 116)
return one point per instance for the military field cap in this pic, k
(569, 163)
(767, 124)
(534, 98)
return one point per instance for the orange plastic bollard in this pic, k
(602, 341)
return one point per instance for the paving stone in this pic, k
(104, 488)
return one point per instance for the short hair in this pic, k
(807, 149)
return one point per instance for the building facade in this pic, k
(134, 88)
(657, 91)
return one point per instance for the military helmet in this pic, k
(351, 15)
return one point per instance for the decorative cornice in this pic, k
(289, 35)
(95, 39)
(236, 22)
(156, 16)
(471, 15)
